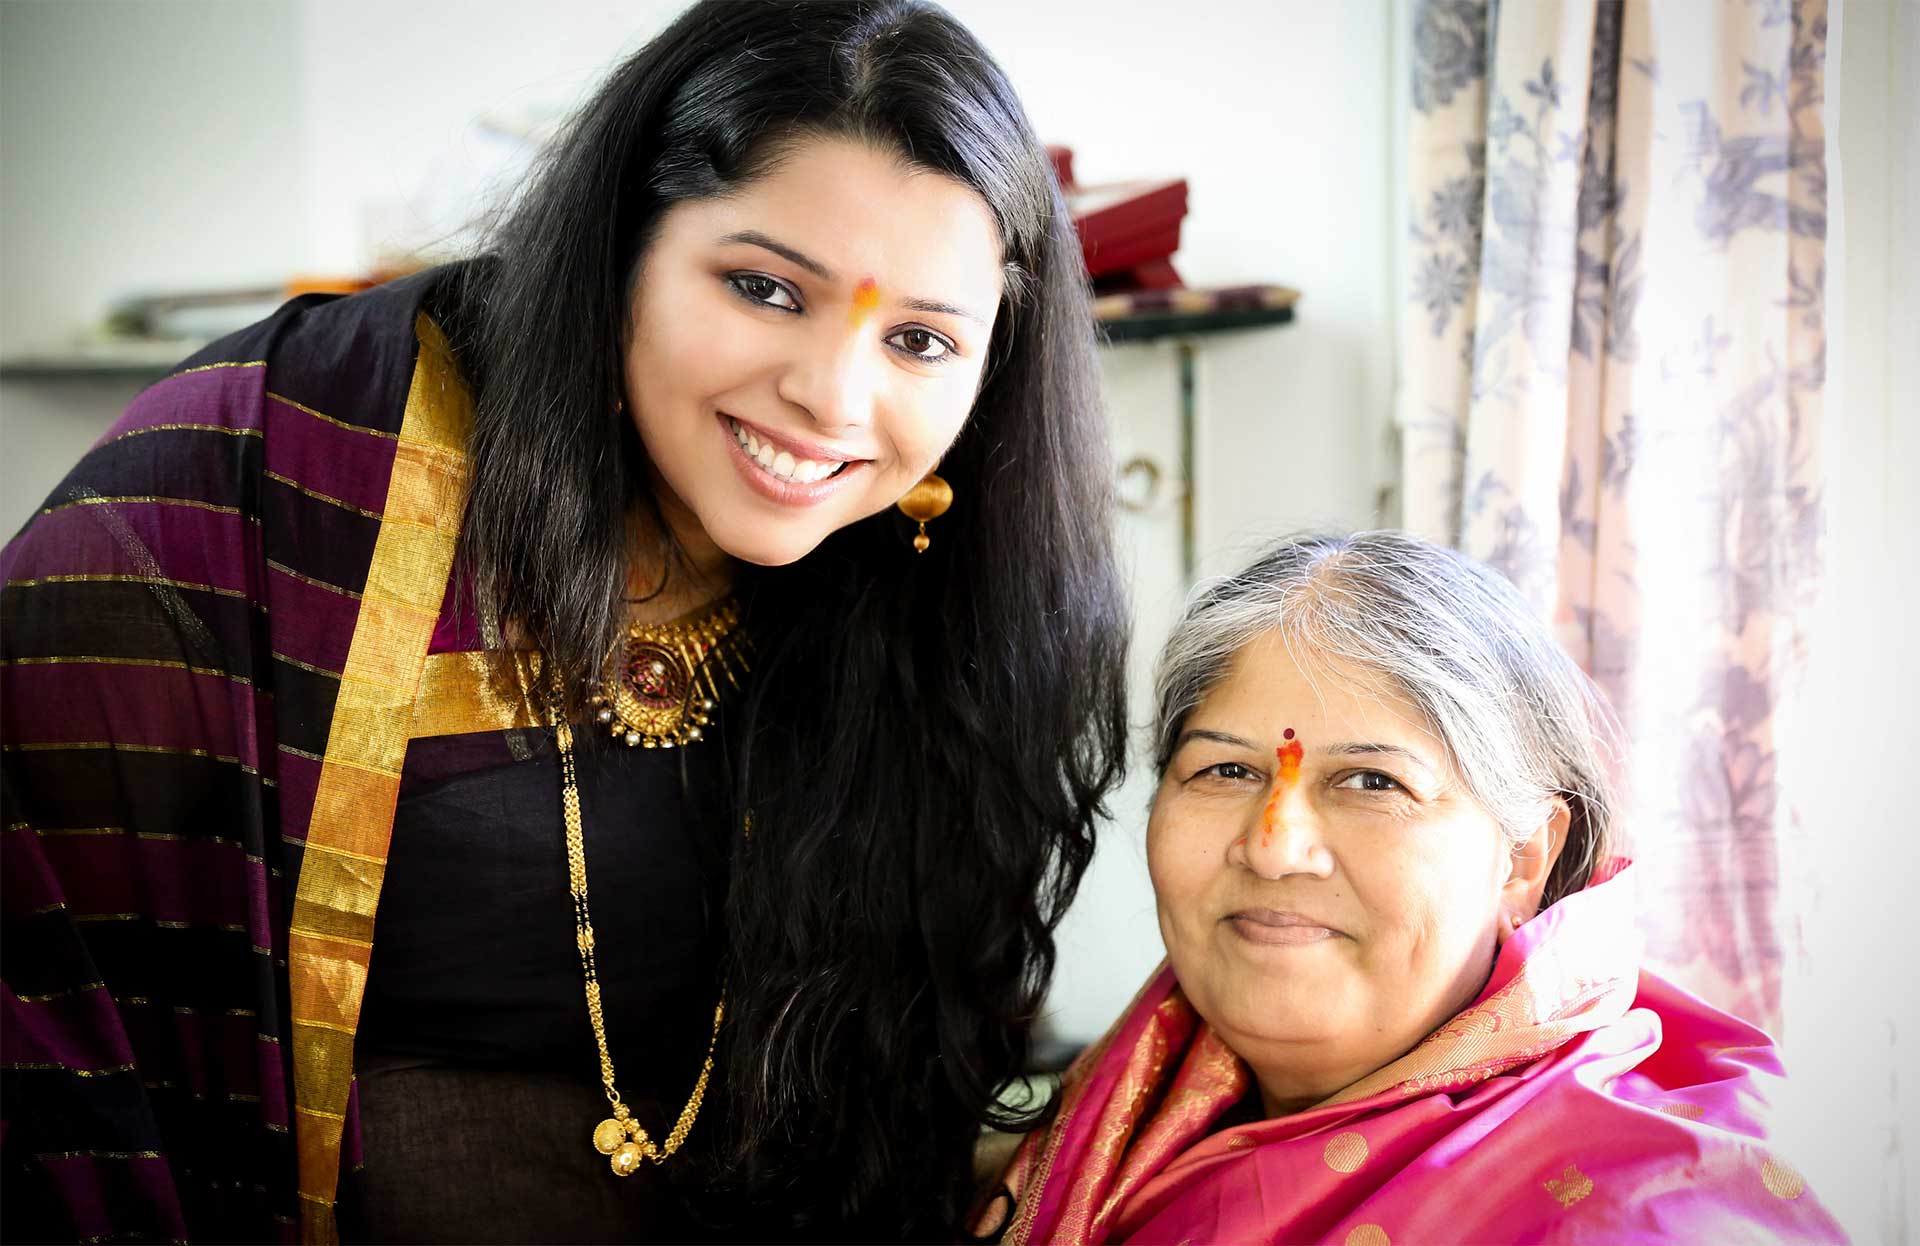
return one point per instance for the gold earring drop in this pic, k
(927, 500)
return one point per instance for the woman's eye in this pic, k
(1369, 781)
(922, 344)
(764, 290)
(1232, 771)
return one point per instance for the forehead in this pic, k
(862, 212)
(1272, 686)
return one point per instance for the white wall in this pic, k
(142, 147)
(192, 143)
(1278, 113)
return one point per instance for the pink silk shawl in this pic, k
(1577, 1099)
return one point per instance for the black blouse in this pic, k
(474, 1051)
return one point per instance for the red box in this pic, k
(1126, 225)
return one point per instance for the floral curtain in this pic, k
(1613, 368)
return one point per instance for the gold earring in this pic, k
(927, 500)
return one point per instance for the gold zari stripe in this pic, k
(69, 993)
(143, 500)
(352, 428)
(289, 572)
(166, 664)
(183, 428)
(308, 667)
(117, 746)
(32, 1066)
(359, 785)
(318, 496)
(209, 367)
(157, 581)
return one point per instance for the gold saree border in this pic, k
(1032, 1167)
(480, 690)
(1558, 992)
(331, 934)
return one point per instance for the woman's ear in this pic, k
(1530, 865)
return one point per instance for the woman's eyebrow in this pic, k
(1218, 737)
(942, 309)
(1359, 748)
(754, 238)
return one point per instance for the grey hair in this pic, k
(1520, 721)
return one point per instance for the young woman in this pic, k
(490, 758)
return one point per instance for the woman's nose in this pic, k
(1286, 836)
(834, 380)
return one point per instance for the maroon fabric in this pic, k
(172, 625)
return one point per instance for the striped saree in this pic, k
(220, 634)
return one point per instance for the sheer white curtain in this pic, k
(1614, 393)
(1615, 388)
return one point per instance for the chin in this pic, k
(766, 549)
(1254, 1007)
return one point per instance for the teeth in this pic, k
(781, 463)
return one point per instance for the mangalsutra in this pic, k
(662, 696)
(620, 1137)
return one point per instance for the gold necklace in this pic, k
(664, 691)
(620, 1137)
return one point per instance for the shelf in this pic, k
(129, 360)
(1154, 326)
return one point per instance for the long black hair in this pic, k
(926, 739)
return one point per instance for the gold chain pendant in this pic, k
(662, 697)
(620, 1137)
(663, 692)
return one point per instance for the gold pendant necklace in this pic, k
(663, 692)
(620, 1137)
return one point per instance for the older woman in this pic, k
(1402, 1000)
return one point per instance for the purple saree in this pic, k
(220, 633)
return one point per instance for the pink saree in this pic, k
(1577, 1099)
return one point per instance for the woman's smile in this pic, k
(783, 470)
(1273, 928)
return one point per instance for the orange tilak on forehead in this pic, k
(1288, 755)
(866, 297)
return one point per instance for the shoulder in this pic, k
(350, 358)
(1674, 1145)
(278, 439)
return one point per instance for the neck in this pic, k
(1284, 1095)
(664, 584)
